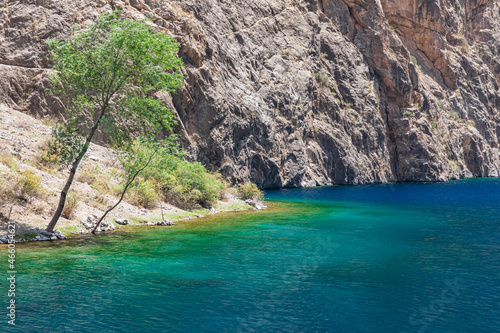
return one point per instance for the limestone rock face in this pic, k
(304, 92)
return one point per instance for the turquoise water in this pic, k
(381, 258)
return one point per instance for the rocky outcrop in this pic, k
(305, 92)
(91, 222)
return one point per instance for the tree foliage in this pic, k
(144, 153)
(107, 76)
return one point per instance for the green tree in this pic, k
(106, 76)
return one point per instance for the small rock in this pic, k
(260, 205)
(136, 4)
(165, 222)
(53, 237)
(93, 158)
(150, 223)
(250, 202)
(59, 235)
(122, 221)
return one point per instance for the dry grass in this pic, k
(9, 160)
(70, 206)
(97, 200)
(100, 180)
(39, 207)
(29, 185)
(7, 193)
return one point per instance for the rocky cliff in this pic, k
(304, 92)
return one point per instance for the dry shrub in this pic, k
(29, 185)
(9, 160)
(70, 206)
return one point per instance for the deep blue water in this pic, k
(379, 258)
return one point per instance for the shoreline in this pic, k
(40, 235)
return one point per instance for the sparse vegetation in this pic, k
(407, 113)
(7, 193)
(9, 160)
(71, 205)
(433, 125)
(68, 229)
(454, 165)
(100, 180)
(29, 185)
(455, 115)
(414, 60)
(25, 234)
(321, 78)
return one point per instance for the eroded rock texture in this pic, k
(303, 92)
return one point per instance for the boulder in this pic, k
(45, 233)
(260, 205)
(59, 235)
(122, 221)
(91, 222)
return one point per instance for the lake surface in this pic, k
(379, 258)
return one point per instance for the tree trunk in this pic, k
(110, 209)
(62, 198)
(129, 182)
(72, 172)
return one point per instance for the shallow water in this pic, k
(379, 258)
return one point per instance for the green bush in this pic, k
(187, 185)
(143, 194)
(250, 191)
